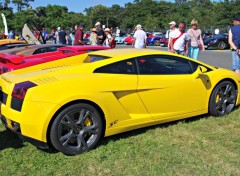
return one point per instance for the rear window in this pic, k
(93, 58)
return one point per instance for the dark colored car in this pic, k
(154, 40)
(218, 41)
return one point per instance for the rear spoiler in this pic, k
(14, 59)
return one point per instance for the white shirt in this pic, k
(180, 42)
(107, 40)
(170, 34)
(217, 31)
(140, 37)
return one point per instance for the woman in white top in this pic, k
(109, 38)
(195, 40)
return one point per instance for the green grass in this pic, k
(198, 146)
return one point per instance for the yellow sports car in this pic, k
(71, 105)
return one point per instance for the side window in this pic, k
(40, 50)
(163, 64)
(52, 48)
(121, 67)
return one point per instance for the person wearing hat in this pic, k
(195, 41)
(93, 39)
(170, 33)
(101, 35)
(109, 37)
(78, 38)
(139, 38)
(234, 42)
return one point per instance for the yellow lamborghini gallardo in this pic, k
(72, 104)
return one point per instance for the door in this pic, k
(119, 87)
(169, 86)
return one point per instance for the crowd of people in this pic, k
(180, 41)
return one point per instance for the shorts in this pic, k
(235, 61)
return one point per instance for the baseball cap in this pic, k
(81, 25)
(237, 17)
(172, 23)
(97, 23)
(139, 26)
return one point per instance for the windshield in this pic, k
(217, 36)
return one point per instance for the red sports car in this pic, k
(10, 62)
(128, 40)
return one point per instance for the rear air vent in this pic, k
(45, 80)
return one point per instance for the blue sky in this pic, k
(80, 5)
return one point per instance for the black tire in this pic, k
(223, 99)
(222, 45)
(157, 43)
(76, 129)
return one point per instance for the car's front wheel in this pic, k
(157, 43)
(223, 99)
(76, 129)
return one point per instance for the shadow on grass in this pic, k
(9, 139)
(145, 129)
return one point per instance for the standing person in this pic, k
(57, 34)
(44, 35)
(139, 38)
(179, 42)
(72, 35)
(217, 31)
(101, 35)
(234, 41)
(170, 32)
(11, 35)
(195, 42)
(118, 32)
(78, 39)
(54, 40)
(62, 36)
(93, 39)
(109, 37)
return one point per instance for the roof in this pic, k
(127, 51)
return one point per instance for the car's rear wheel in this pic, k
(222, 45)
(76, 129)
(157, 43)
(223, 99)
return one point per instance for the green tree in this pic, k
(21, 4)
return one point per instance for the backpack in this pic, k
(113, 43)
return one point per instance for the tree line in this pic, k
(151, 14)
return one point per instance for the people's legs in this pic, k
(195, 53)
(235, 62)
(190, 51)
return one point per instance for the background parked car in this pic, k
(218, 41)
(120, 40)
(9, 62)
(154, 39)
(164, 41)
(129, 40)
(33, 49)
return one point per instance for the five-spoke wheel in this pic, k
(223, 99)
(76, 129)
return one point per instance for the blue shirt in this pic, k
(236, 35)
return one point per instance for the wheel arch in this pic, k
(99, 109)
(226, 79)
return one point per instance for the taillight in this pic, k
(20, 89)
(3, 69)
